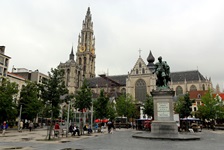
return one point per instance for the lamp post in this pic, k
(20, 112)
(67, 119)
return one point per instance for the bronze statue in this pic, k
(162, 71)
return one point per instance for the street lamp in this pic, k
(20, 112)
(67, 119)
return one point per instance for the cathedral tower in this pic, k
(84, 66)
(85, 56)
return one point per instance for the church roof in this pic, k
(194, 75)
(101, 82)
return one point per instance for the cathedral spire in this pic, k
(71, 56)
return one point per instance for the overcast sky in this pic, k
(188, 34)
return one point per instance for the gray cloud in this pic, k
(188, 34)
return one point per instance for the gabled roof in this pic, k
(195, 94)
(194, 75)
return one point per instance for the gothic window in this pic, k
(84, 68)
(179, 90)
(140, 90)
(68, 72)
(84, 60)
(193, 88)
(143, 71)
(80, 61)
(136, 71)
(140, 65)
(203, 87)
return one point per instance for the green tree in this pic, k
(125, 106)
(101, 106)
(111, 110)
(211, 107)
(29, 99)
(8, 106)
(183, 106)
(51, 91)
(83, 100)
(148, 106)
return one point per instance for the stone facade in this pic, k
(84, 66)
(4, 62)
(20, 81)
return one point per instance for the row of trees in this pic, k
(44, 100)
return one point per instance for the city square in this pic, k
(120, 140)
(102, 75)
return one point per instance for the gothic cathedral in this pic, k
(138, 82)
(84, 66)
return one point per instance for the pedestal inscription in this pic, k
(163, 113)
(163, 109)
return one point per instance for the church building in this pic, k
(138, 82)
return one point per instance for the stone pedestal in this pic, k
(164, 127)
(163, 113)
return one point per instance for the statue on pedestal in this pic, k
(162, 71)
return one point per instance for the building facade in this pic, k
(30, 75)
(4, 62)
(20, 81)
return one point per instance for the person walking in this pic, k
(4, 127)
(30, 125)
(20, 126)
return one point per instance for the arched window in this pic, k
(136, 71)
(80, 61)
(179, 90)
(143, 71)
(193, 88)
(84, 60)
(203, 87)
(140, 65)
(140, 90)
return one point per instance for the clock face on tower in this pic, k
(82, 48)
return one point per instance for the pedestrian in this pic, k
(30, 125)
(109, 124)
(56, 130)
(4, 127)
(20, 126)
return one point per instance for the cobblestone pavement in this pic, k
(119, 140)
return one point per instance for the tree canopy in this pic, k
(52, 89)
(83, 97)
(8, 93)
(183, 106)
(29, 99)
(148, 106)
(125, 106)
(101, 106)
(211, 108)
